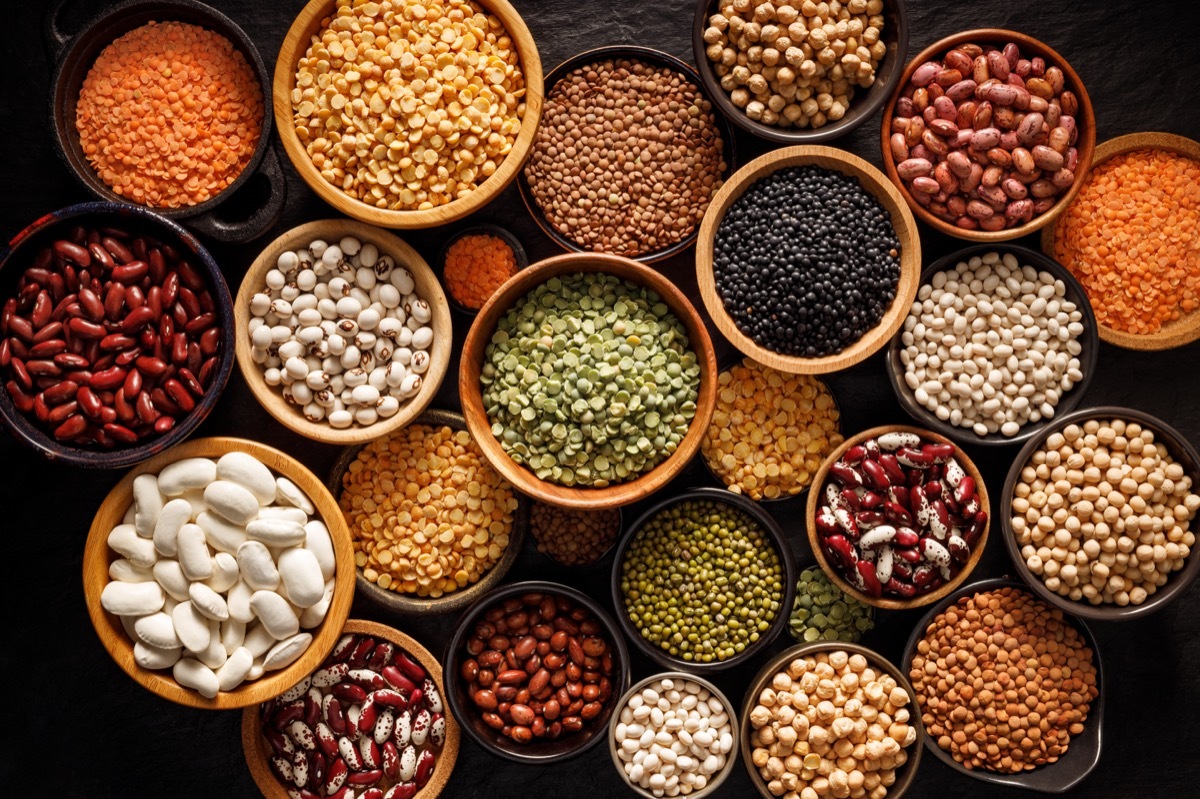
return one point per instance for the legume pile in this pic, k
(408, 104)
(627, 157)
(795, 67)
(573, 537)
(701, 581)
(823, 612)
(1003, 681)
(1132, 237)
(806, 261)
(992, 345)
(1102, 513)
(770, 430)
(475, 266)
(169, 114)
(427, 513)
(589, 380)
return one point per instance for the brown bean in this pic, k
(506, 694)
(558, 641)
(521, 714)
(484, 699)
(572, 723)
(591, 693)
(539, 681)
(590, 710)
(493, 721)
(512, 676)
(491, 657)
(486, 676)
(524, 647)
(575, 650)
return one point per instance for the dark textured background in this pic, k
(76, 726)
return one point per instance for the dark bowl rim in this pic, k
(1094, 724)
(477, 228)
(125, 457)
(1181, 450)
(70, 54)
(1089, 356)
(770, 528)
(868, 108)
(577, 568)
(657, 58)
(465, 714)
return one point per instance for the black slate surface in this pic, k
(76, 726)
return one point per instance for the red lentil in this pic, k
(476, 265)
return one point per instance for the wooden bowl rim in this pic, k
(1182, 452)
(97, 556)
(1184, 330)
(1088, 357)
(1092, 734)
(389, 243)
(254, 746)
(1085, 145)
(872, 182)
(406, 604)
(886, 603)
(296, 42)
(778, 663)
(517, 287)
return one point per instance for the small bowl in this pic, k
(258, 752)
(1089, 343)
(576, 567)
(1084, 752)
(862, 106)
(1183, 330)
(402, 605)
(770, 530)
(1030, 48)
(97, 556)
(889, 603)
(715, 781)
(654, 58)
(472, 396)
(296, 43)
(506, 236)
(905, 775)
(1181, 451)
(19, 254)
(537, 752)
(427, 286)
(874, 183)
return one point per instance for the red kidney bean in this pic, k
(118, 250)
(73, 252)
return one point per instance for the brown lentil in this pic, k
(627, 157)
(428, 514)
(573, 537)
(1003, 681)
(408, 104)
(770, 430)
(1102, 513)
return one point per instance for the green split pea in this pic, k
(823, 612)
(589, 380)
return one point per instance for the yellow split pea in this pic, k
(427, 513)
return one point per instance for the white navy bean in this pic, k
(191, 673)
(125, 540)
(186, 475)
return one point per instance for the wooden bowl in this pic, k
(519, 255)
(427, 286)
(1089, 342)
(816, 495)
(402, 605)
(1084, 752)
(296, 43)
(715, 780)
(905, 774)
(863, 105)
(1186, 328)
(258, 751)
(97, 556)
(873, 182)
(654, 58)
(1181, 451)
(472, 397)
(1030, 47)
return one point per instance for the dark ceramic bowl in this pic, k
(473, 230)
(19, 254)
(770, 529)
(540, 751)
(863, 104)
(578, 568)
(1181, 451)
(656, 58)
(1089, 350)
(1084, 751)
(258, 207)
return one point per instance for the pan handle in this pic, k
(266, 212)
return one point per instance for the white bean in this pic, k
(193, 554)
(125, 540)
(208, 602)
(301, 576)
(157, 630)
(275, 614)
(276, 532)
(149, 657)
(318, 541)
(247, 471)
(147, 502)
(186, 475)
(220, 534)
(191, 627)
(234, 671)
(169, 575)
(232, 501)
(257, 566)
(286, 651)
(173, 516)
(191, 673)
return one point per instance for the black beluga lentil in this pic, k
(806, 261)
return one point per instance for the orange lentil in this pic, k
(476, 265)
(169, 114)
(1132, 237)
